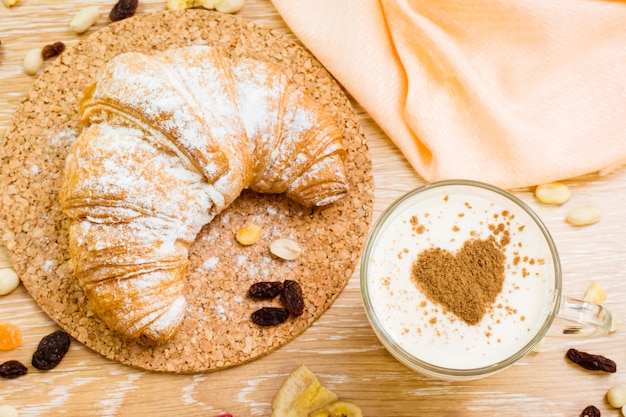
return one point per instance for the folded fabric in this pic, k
(511, 92)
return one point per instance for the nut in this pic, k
(33, 61)
(616, 396)
(595, 294)
(10, 3)
(188, 4)
(229, 6)
(9, 281)
(553, 193)
(178, 4)
(249, 235)
(207, 4)
(286, 249)
(583, 216)
(85, 19)
(7, 410)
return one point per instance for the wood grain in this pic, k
(340, 348)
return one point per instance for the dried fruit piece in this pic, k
(300, 394)
(51, 349)
(249, 235)
(338, 409)
(12, 369)
(85, 19)
(590, 411)
(553, 193)
(595, 294)
(9, 280)
(591, 362)
(265, 290)
(10, 3)
(292, 297)
(270, 316)
(10, 336)
(286, 249)
(583, 216)
(123, 9)
(52, 50)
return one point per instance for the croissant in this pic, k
(169, 140)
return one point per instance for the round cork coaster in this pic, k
(217, 332)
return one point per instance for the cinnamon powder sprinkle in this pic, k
(416, 226)
(466, 283)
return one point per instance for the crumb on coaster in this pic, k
(217, 332)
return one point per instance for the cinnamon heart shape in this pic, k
(465, 283)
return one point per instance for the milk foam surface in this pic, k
(421, 327)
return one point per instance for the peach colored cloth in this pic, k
(511, 92)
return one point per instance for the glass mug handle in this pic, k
(582, 319)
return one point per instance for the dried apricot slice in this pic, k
(10, 336)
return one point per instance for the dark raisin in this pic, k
(265, 290)
(591, 362)
(52, 50)
(292, 297)
(51, 350)
(270, 316)
(12, 369)
(123, 9)
(590, 411)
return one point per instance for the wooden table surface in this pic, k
(340, 347)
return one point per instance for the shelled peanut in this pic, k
(557, 193)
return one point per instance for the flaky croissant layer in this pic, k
(169, 141)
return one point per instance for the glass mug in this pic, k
(443, 223)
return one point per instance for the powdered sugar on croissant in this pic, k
(169, 141)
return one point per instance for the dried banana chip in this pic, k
(338, 409)
(300, 394)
